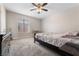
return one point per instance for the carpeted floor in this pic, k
(26, 47)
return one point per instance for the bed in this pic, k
(67, 43)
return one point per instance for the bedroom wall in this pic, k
(12, 22)
(66, 21)
(2, 19)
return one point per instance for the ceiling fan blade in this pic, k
(45, 9)
(34, 4)
(32, 9)
(44, 4)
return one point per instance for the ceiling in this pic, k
(24, 8)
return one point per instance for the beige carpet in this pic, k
(26, 47)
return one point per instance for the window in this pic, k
(23, 25)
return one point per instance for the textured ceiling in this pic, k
(24, 8)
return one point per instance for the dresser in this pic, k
(1, 35)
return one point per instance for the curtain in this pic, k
(23, 25)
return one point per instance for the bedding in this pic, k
(68, 44)
(57, 41)
(54, 41)
(71, 47)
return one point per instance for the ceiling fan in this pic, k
(39, 7)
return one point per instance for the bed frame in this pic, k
(51, 47)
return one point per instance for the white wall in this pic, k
(12, 22)
(66, 21)
(2, 19)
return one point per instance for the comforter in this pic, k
(59, 42)
(67, 44)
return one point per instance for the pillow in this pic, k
(69, 35)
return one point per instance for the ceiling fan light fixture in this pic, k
(39, 7)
